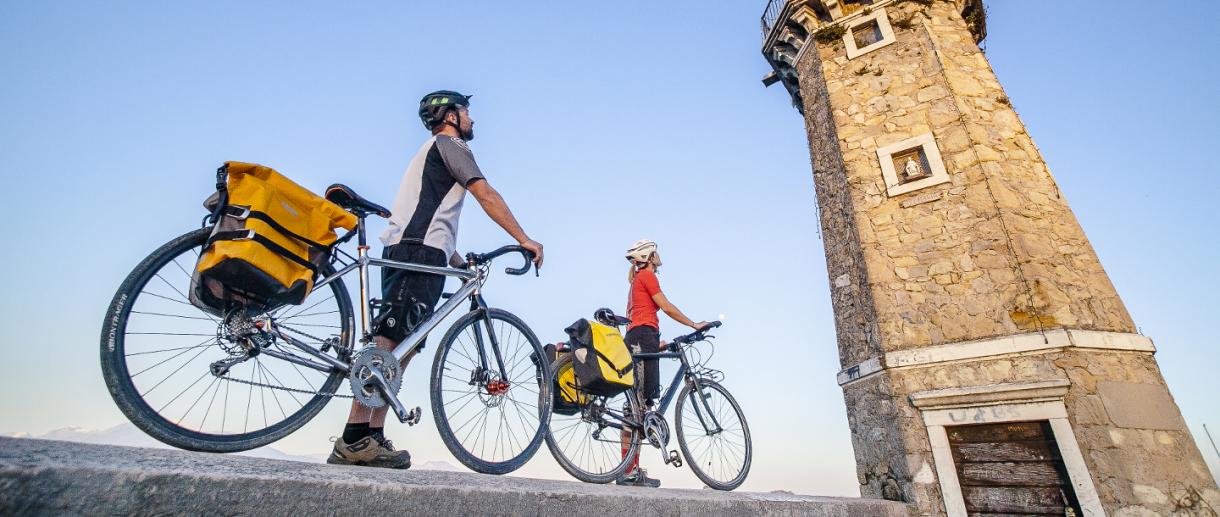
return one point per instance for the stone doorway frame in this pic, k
(998, 403)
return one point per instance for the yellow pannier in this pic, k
(270, 239)
(601, 360)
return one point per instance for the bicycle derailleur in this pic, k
(242, 337)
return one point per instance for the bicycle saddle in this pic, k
(347, 198)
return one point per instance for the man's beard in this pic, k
(468, 134)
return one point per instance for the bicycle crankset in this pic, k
(375, 375)
(656, 429)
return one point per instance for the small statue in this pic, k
(912, 169)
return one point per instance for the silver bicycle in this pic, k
(242, 380)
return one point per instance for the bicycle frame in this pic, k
(472, 281)
(683, 370)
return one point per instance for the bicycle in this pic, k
(711, 428)
(489, 387)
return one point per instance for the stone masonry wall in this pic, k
(855, 317)
(994, 252)
(1139, 464)
(1000, 252)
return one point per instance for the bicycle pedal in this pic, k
(674, 460)
(413, 416)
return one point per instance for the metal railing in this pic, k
(770, 15)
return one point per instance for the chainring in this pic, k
(656, 429)
(363, 364)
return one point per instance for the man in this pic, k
(644, 336)
(423, 230)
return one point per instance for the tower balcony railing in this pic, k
(770, 15)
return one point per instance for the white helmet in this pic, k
(641, 251)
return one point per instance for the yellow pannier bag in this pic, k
(270, 239)
(601, 360)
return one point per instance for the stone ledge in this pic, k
(40, 477)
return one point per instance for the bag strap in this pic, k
(620, 371)
(242, 212)
(248, 234)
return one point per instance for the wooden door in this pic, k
(1011, 468)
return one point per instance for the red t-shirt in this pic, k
(640, 307)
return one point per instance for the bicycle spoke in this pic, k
(201, 394)
(172, 315)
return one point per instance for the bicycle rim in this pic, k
(720, 458)
(157, 348)
(491, 430)
(584, 444)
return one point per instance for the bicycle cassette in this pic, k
(367, 365)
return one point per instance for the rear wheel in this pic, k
(158, 352)
(713, 435)
(492, 423)
(585, 443)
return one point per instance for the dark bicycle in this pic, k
(223, 384)
(712, 432)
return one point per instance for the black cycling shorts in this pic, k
(646, 339)
(408, 297)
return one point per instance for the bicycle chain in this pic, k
(285, 388)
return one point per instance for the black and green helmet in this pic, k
(433, 106)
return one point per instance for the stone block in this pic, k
(1140, 406)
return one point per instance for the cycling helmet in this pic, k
(641, 251)
(433, 106)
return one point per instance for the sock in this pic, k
(353, 433)
(377, 430)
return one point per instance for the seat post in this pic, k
(362, 252)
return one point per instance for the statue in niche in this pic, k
(912, 169)
(911, 165)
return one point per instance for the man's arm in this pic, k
(673, 312)
(498, 211)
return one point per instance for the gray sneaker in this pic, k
(638, 477)
(371, 451)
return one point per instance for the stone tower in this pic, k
(988, 364)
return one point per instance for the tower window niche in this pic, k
(911, 165)
(868, 33)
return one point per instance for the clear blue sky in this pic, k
(601, 123)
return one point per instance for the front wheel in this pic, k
(492, 419)
(713, 435)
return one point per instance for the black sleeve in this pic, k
(458, 159)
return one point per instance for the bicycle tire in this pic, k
(566, 436)
(696, 466)
(125, 394)
(541, 378)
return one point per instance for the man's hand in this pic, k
(534, 247)
(701, 325)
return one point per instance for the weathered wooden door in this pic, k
(1011, 469)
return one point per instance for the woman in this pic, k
(644, 336)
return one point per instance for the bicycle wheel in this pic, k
(491, 424)
(719, 449)
(157, 352)
(584, 444)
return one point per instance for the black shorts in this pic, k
(408, 297)
(646, 339)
